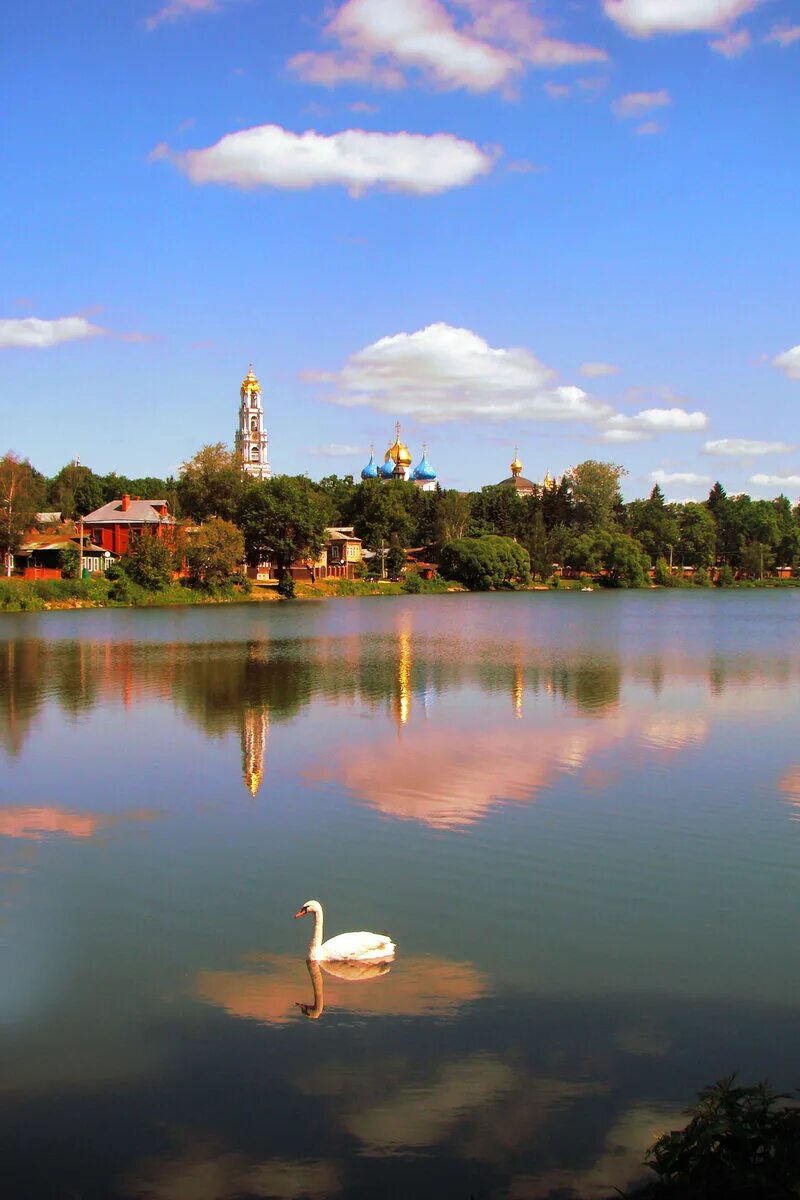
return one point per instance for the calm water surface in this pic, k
(578, 816)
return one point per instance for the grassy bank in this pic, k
(21, 595)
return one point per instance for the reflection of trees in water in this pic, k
(31, 671)
(217, 684)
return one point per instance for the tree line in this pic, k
(582, 523)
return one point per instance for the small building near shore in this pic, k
(112, 526)
(40, 555)
(338, 558)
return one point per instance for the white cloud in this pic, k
(779, 481)
(175, 10)
(442, 373)
(33, 333)
(635, 104)
(652, 421)
(649, 128)
(380, 40)
(745, 448)
(783, 35)
(593, 369)
(671, 477)
(732, 43)
(270, 156)
(642, 18)
(789, 362)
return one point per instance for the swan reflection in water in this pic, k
(351, 971)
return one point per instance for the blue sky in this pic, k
(568, 227)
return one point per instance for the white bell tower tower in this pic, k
(251, 436)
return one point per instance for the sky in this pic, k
(567, 227)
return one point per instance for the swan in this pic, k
(347, 947)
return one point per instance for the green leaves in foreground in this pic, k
(741, 1142)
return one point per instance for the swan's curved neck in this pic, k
(316, 936)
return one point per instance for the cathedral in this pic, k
(251, 440)
(397, 465)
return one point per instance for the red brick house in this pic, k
(112, 525)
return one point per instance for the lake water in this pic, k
(577, 815)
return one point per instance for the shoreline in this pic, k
(32, 599)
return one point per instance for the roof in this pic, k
(140, 512)
(56, 541)
(341, 533)
(517, 482)
(47, 541)
(48, 518)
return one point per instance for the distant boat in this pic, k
(587, 589)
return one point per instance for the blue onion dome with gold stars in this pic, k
(424, 471)
(371, 469)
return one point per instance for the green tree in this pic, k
(626, 563)
(538, 545)
(662, 574)
(149, 561)
(214, 552)
(339, 492)
(452, 515)
(697, 535)
(382, 513)
(498, 510)
(75, 491)
(395, 560)
(211, 484)
(787, 546)
(586, 552)
(21, 495)
(721, 509)
(654, 524)
(596, 493)
(69, 559)
(283, 519)
(485, 562)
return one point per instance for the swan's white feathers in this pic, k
(362, 946)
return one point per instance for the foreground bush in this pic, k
(741, 1142)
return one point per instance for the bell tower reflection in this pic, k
(401, 699)
(255, 731)
(518, 686)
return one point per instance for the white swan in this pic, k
(347, 947)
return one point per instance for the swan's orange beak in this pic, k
(302, 913)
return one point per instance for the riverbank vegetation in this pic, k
(740, 1142)
(491, 538)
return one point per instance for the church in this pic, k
(251, 441)
(397, 465)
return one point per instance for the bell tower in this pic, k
(251, 436)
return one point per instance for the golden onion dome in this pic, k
(516, 465)
(250, 383)
(398, 452)
(548, 482)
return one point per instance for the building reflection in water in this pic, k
(255, 731)
(245, 688)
